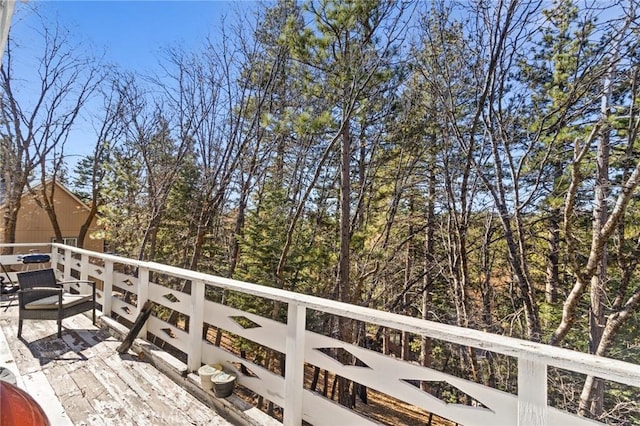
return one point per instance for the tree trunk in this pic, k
(429, 260)
(408, 269)
(9, 221)
(553, 258)
(591, 399)
(344, 267)
(84, 228)
(487, 289)
(239, 226)
(345, 217)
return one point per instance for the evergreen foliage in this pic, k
(436, 159)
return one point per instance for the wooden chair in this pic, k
(41, 297)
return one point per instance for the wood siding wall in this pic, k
(33, 225)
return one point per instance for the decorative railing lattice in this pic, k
(126, 285)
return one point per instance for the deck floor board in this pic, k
(83, 380)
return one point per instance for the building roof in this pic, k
(63, 188)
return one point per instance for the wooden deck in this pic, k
(81, 379)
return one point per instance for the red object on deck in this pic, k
(18, 408)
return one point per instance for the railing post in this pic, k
(195, 325)
(294, 366)
(68, 264)
(54, 256)
(84, 272)
(532, 393)
(143, 295)
(84, 267)
(107, 287)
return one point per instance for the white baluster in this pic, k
(107, 288)
(195, 324)
(143, 295)
(294, 378)
(532, 393)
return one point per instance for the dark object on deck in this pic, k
(18, 408)
(7, 376)
(223, 384)
(5, 287)
(35, 258)
(143, 316)
(42, 297)
(8, 290)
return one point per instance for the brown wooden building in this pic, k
(33, 224)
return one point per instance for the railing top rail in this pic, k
(619, 371)
(3, 245)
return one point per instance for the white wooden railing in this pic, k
(382, 373)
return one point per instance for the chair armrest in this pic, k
(43, 290)
(30, 294)
(92, 283)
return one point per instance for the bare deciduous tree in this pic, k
(34, 128)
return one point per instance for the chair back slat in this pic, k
(37, 278)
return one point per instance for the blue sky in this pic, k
(131, 34)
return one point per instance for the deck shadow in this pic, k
(67, 348)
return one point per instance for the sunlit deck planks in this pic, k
(82, 380)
